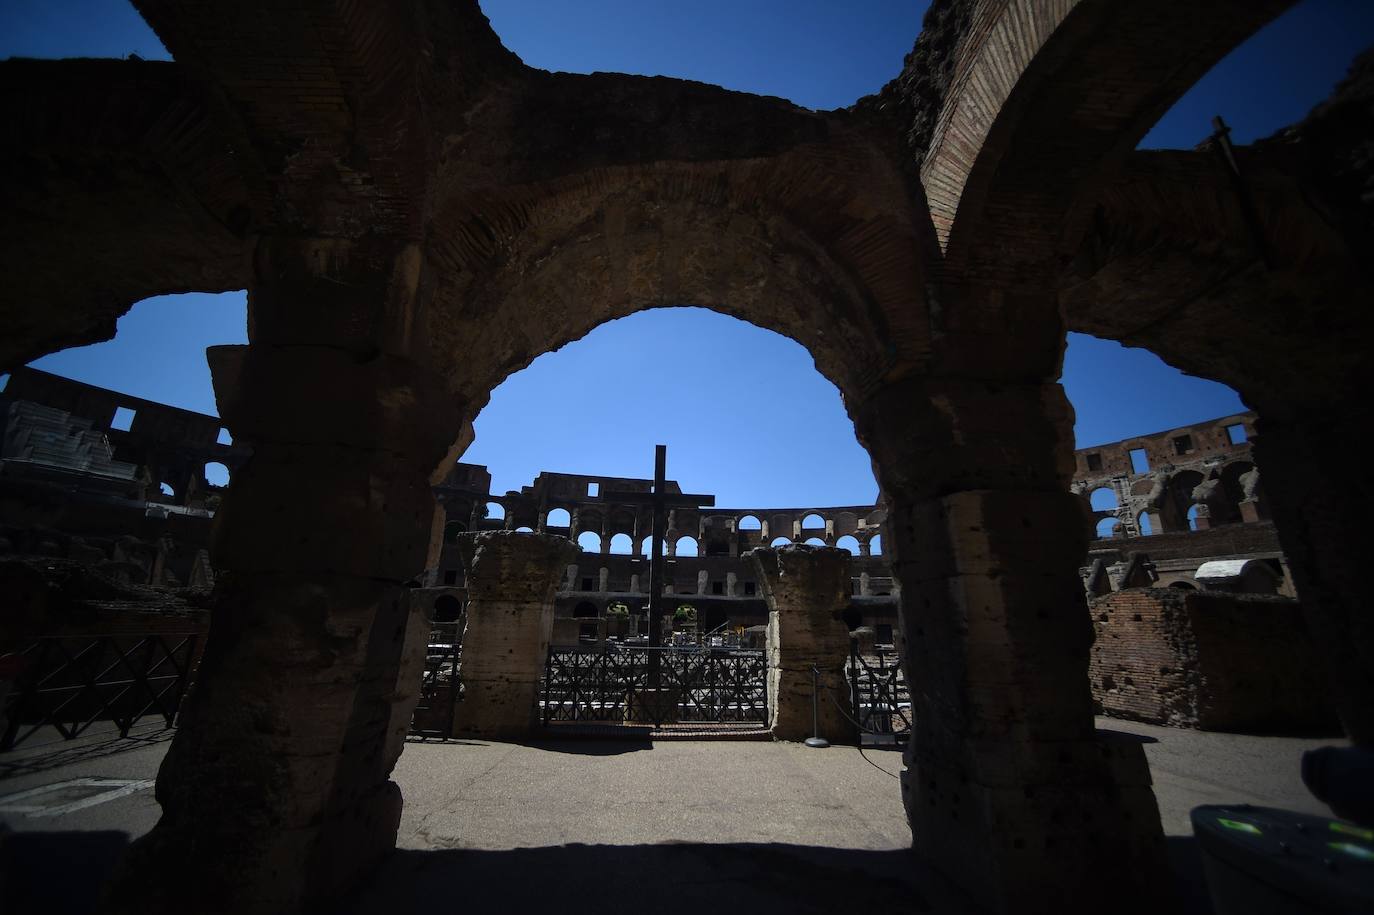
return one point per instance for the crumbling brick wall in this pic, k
(1207, 660)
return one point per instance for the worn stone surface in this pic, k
(511, 579)
(807, 588)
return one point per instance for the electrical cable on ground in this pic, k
(839, 708)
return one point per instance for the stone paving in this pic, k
(594, 825)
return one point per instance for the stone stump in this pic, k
(512, 579)
(806, 587)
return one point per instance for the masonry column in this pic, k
(512, 579)
(1007, 787)
(1323, 520)
(806, 587)
(275, 792)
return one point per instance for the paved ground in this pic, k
(595, 825)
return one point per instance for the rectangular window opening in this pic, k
(593, 490)
(1183, 444)
(587, 585)
(1236, 434)
(717, 587)
(451, 577)
(883, 634)
(123, 419)
(1095, 462)
(1140, 462)
(748, 589)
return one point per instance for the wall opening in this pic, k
(123, 419)
(850, 543)
(875, 546)
(1107, 528)
(496, 511)
(686, 546)
(589, 542)
(622, 545)
(749, 523)
(216, 474)
(1103, 499)
(559, 517)
(813, 521)
(1140, 461)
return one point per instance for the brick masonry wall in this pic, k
(1207, 660)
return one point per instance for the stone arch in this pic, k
(622, 544)
(217, 474)
(781, 541)
(589, 542)
(1103, 498)
(814, 541)
(685, 546)
(812, 520)
(749, 523)
(447, 608)
(848, 542)
(495, 511)
(621, 240)
(1108, 527)
(558, 517)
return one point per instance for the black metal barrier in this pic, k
(720, 685)
(69, 683)
(878, 692)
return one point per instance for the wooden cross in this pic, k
(661, 500)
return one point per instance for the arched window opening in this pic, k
(749, 523)
(524, 530)
(559, 517)
(780, 541)
(496, 511)
(875, 546)
(216, 474)
(849, 543)
(585, 610)
(167, 490)
(1143, 523)
(447, 608)
(813, 520)
(1108, 527)
(645, 548)
(686, 546)
(1103, 499)
(452, 530)
(622, 545)
(224, 437)
(1183, 586)
(589, 542)
(814, 541)
(1192, 517)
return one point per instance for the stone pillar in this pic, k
(1007, 787)
(865, 584)
(703, 581)
(604, 580)
(634, 583)
(731, 584)
(543, 522)
(275, 792)
(1322, 518)
(511, 585)
(806, 588)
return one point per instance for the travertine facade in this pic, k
(417, 214)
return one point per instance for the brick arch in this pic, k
(1048, 98)
(528, 271)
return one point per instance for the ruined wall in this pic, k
(1217, 662)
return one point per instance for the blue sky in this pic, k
(743, 411)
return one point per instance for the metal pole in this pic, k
(816, 740)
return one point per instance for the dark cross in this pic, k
(661, 501)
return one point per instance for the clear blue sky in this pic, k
(743, 411)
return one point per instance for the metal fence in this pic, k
(705, 685)
(441, 689)
(69, 683)
(878, 691)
